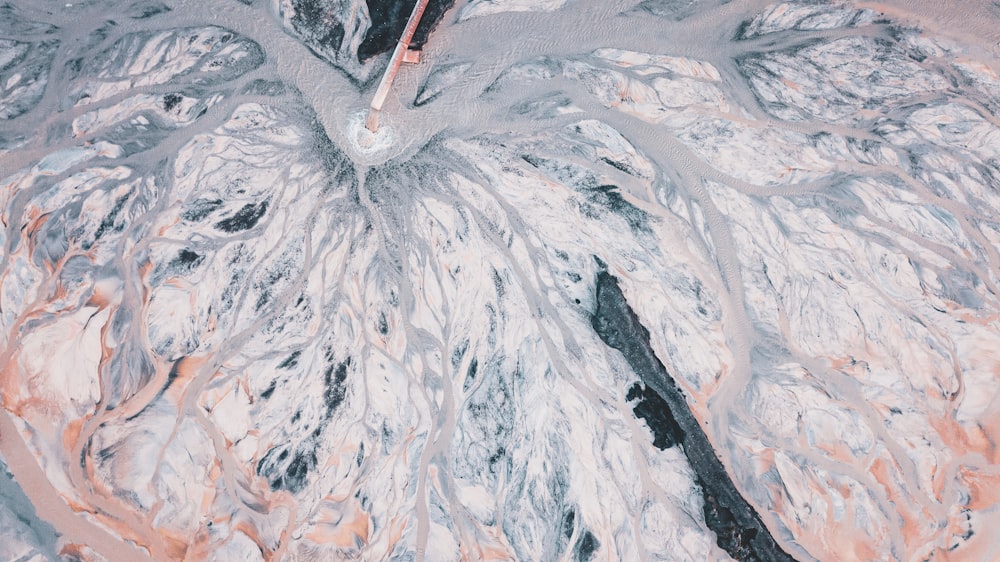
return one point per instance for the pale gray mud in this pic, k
(614, 280)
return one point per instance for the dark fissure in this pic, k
(737, 527)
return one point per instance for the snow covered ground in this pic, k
(237, 326)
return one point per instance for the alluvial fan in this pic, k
(626, 280)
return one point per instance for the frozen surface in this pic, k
(237, 325)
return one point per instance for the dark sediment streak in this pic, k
(737, 527)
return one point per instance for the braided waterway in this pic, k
(238, 326)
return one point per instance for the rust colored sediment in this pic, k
(52, 507)
(371, 121)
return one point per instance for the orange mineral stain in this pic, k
(345, 530)
(984, 488)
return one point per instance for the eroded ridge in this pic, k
(737, 527)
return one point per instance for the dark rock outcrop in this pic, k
(738, 529)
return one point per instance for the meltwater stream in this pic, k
(615, 280)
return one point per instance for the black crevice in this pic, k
(737, 527)
(651, 407)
